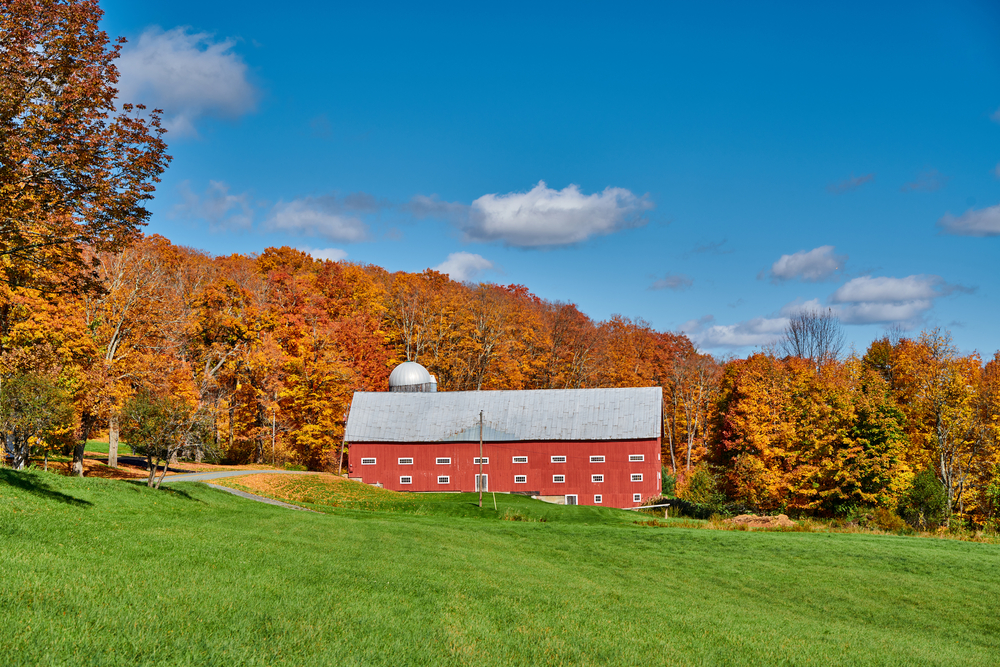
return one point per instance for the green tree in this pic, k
(32, 409)
(925, 505)
(160, 428)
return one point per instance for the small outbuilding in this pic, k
(573, 446)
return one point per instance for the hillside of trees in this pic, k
(265, 352)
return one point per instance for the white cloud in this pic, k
(882, 300)
(187, 74)
(332, 254)
(750, 333)
(672, 281)
(982, 222)
(464, 266)
(327, 216)
(546, 217)
(907, 313)
(216, 205)
(812, 266)
(889, 290)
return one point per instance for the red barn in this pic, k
(573, 446)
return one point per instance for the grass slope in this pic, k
(330, 493)
(98, 571)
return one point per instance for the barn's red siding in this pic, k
(616, 490)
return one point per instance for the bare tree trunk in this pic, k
(152, 470)
(113, 440)
(164, 473)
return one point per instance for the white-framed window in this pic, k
(558, 459)
(482, 482)
(485, 460)
(598, 499)
(571, 500)
(558, 479)
(597, 459)
(636, 497)
(637, 458)
(405, 461)
(520, 479)
(519, 459)
(405, 479)
(444, 479)
(367, 462)
(443, 460)
(597, 478)
(637, 477)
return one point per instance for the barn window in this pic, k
(597, 459)
(520, 479)
(559, 459)
(558, 479)
(597, 478)
(406, 462)
(637, 477)
(485, 460)
(443, 461)
(571, 500)
(444, 479)
(520, 459)
(636, 497)
(637, 457)
(598, 499)
(406, 479)
(367, 462)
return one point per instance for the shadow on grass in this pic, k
(142, 484)
(34, 486)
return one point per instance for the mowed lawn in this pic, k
(98, 571)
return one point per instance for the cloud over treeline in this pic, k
(541, 216)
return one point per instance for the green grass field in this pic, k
(101, 447)
(105, 572)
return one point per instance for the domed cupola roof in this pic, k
(411, 376)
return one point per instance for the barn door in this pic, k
(571, 500)
(485, 480)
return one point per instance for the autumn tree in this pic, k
(76, 170)
(944, 408)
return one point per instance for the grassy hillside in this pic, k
(106, 572)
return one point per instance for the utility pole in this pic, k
(340, 463)
(480, 485)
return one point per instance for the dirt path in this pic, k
(219, 474)
(205, 476)
(261, 499)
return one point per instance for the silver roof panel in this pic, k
(632, 413)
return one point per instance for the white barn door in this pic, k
(485, 481)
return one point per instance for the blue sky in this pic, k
(708, 168)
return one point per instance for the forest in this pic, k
(261, 355)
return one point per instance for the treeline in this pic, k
(911, 427)
(265, 352)
(269, 349)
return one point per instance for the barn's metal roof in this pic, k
(538, 414)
